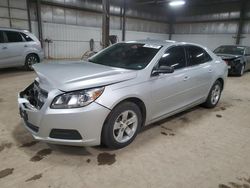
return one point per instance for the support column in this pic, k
(39, 21)
(124, 20)
(28, 12)
(105, 23)
(241, 21)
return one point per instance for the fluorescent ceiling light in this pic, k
(176, 3)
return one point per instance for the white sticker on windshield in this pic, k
(152, 46)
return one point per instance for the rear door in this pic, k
(3, 50)
(15, 48)
(200, 71)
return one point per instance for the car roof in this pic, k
(234, 46)
(12, 29)
(164, 42)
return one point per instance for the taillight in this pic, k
(226, 62)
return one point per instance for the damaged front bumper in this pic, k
(78, 126)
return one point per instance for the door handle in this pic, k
(186, 78)
(210, 70)
(4, 48)
(25, 45)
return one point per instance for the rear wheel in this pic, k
(214, 95)
(122, 125)
(30, 60)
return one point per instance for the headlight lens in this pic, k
(76, 99)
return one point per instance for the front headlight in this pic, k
(76, 99)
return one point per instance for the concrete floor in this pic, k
(200, 148)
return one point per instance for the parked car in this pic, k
(19, 48)
(122, 88)
(237, 58)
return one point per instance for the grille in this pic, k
(35, 95)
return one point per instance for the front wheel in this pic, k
(241, 70)
(214, 95)
(122, 125)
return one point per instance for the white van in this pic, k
(19, 48)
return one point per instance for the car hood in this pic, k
(80, 75)
(228, 56)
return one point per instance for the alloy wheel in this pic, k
(125, 126)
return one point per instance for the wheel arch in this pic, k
(221, 80)
(33, 53)
(136, 101)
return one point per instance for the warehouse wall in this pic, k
(71, 29)
(212, 29)
(208, 34)
(13, 14)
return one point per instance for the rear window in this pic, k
(197, 55)
(13, 36)
(26, 37)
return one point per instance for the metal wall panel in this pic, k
(4, 12)
(146, 26)
(206, 28)
(18, 4)
(246, 28)
(20, 24)
(3, 2)
(18, 14)
(46, 13)
(89, 19)
(58, 15)
(70, 16)
(211, 41)
(4, 22)
(115, 22)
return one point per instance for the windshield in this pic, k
(233, 50)
(127, 55)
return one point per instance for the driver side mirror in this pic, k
(162, 70)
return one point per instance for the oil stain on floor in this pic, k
(106, 159)
(6, 172)
(29, 144)
(5, 145)
(41, 154)
(244, 183)
(35, 177)
(218, 116)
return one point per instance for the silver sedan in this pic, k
(120, 89)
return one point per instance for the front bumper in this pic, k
(87, 121)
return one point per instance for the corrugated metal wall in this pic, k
(13, 13)
(212, 29)
(71, 29)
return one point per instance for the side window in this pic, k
(13, 36)
(26, 37)
(174, 57)
(197, 55)
(1, 37)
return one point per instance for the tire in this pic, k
(30, 60)
(214, 95)
(118, 131)
(241, 70)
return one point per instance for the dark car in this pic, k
(237, 58)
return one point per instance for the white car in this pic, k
(19, 48)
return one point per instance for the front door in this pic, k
(169, 91)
